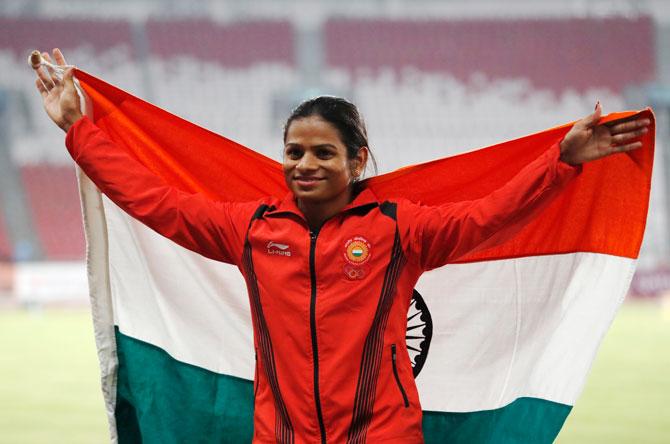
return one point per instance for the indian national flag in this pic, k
(501, 342)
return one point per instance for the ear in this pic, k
(358, 163)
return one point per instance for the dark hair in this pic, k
(340, 113)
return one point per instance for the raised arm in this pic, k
(441, 234)
(213, 229)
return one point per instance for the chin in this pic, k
(309, 195)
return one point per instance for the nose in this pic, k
(308, 162)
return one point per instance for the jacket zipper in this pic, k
(397, 378)
(257, 376)
(312, 325)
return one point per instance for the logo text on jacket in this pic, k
(278, 249)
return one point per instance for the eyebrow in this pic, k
(322, 145)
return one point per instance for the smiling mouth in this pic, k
(306, 182)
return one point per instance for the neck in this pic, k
(316, 213)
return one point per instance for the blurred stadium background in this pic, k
(432, 77)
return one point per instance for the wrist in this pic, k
(564, 155)
(70, 120)
(563, 158)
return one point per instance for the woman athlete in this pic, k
(329, 268)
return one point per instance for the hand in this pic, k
(587, 140)
(61, 101)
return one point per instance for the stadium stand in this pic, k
(21, 35)
(180, 53)
(50, 189)
(553, 54)
(54, 204)
(411, 79)
(514, 76)
(262, 41)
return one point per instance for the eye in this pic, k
(293, 153)
(324, 153)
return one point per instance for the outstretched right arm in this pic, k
(213, 229)
(210, 228)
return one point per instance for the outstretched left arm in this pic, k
(441, 234)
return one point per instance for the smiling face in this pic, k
(317, 168)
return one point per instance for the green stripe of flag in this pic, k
(162, 400)
(526, 420)
(173, 402)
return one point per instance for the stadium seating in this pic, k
(411, 79)
(181, 53)
(21, 35)
(513, 77)
(237, 45)
(553, 54)
(54, 205)
(51, 190)
(96, 45)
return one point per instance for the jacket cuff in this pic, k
(563, 169)
(76, 135)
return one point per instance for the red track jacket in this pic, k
(329, 307)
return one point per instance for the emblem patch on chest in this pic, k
(357, 250)
(356, 254)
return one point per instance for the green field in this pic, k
(627, 394)
(49, 387)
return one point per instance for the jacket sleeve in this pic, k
(213, 229)
(440, 234)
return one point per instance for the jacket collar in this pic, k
(288, 204)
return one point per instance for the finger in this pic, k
(68, 82)
(58, 56)
(627, 147)
(49, 70)
(68, 78)
(41, 88)
(632, 125)
(54, 76)
(45, 78)
(630, 135)
(35, 59)
(592, 119)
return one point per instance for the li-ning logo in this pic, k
(279, 249)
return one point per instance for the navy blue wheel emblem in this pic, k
(419, 332)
